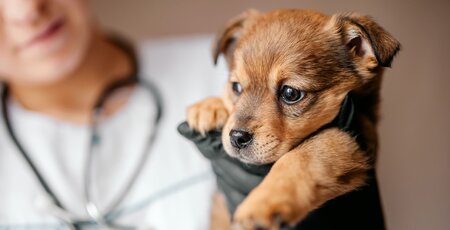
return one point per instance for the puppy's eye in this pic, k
(291, 95)
(237, 88)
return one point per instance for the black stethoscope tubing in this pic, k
(9, 129)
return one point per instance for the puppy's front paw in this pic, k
(266, 211)
(207, 115)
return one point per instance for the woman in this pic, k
(56, 170)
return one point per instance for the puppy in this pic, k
(289, 74)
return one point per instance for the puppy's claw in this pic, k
(278, 220)
(207, 115)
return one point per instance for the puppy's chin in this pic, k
(249, 158)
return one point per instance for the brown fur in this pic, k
(220, 218)
(326, 57)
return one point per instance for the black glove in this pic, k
(235, 179)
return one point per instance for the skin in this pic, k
(54, 57)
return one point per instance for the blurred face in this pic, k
(41, 41)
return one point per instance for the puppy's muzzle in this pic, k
(240, 139)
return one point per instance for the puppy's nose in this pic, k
(240, 139)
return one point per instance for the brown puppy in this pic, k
(290, 71)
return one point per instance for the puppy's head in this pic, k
(289, 73)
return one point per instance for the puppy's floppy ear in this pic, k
(226, 39)
(369, 45)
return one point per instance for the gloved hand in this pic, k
(235, 179)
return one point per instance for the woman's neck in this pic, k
(72, 98)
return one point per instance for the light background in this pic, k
(414, 159)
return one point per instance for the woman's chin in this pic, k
(46, 74)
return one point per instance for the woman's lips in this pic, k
(47, 34)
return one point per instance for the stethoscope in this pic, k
(97, 217)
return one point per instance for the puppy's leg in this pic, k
(207, 115)
(323, 167)
(220, 218)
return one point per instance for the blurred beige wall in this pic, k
(414, 162)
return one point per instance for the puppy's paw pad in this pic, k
(207, 115)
